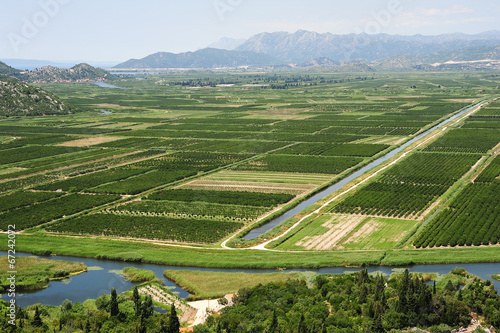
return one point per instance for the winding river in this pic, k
(268, 226)
(102, 276)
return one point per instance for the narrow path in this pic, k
(262, 246)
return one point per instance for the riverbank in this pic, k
(102, 248)
(35, 273)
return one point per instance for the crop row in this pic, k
(471, 219)
(19, 129)
(134, 143)
(215, 127)
(35, 140)
(142, 182)
(409, 186)
(467, 141)
(33, 215)
(430, 168)
(32, 152)
(92, 179)
(256, 199)
(157, 227)
(488, 111)
(16, 184)
(490, 123)
(397, 199)
(303, 164)
(491, 172)
(200, 209)
(199, 161)
(24, 198)
(236, 146)
(325, 149)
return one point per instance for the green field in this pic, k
(175, 161)
(205, 285)
(35, 273)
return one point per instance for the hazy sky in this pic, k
(117, 30)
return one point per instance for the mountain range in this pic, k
(80, 72)
(311, 49)
(204, 58)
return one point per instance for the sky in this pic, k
(117, 30)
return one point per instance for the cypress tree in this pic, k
(173, 321)
(376, 326)
(403, 292)
(147, 307)
(114, 311)
(87, 326)
(302, 325)
(37, 320)
(137, 302)
(273, 327)
(362, 295)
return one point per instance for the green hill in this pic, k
(21, 99)
(80, 72)
(9, 71)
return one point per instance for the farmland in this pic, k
(194, 165)
(410, 190)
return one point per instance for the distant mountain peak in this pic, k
(204, 58)
(227, 43)
(303, 45)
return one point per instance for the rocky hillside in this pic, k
(80, 72)
(9, 71)
(205, 58)
(301, 46)
(21, 99)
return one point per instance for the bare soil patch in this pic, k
(340, 226)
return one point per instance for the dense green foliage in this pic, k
(409, 186)
(362, 150)
(92, 179)
(142, 182)
(356, 302)
(108, 313)
(470, 219)
(47, 211)
(467, 141)
(305, 164)
(242, 198)
(152, 227)
(491, 172)
(32, 152)
(24, 198)
(359, 303)
(201, 209)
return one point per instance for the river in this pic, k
(102, 275)
(268, 226)
(107, 85)
(96, 282)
